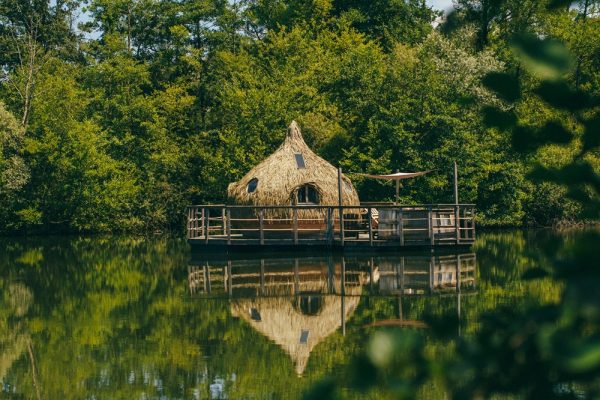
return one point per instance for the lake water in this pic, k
(139, 318)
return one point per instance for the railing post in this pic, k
(261, 222)
(295, 225)
(202, 223)
(430, 225)
(369, 216)
(206, 224)
(457, 223)
(228, 226)
(401, 227)
(329, 225)
(223, 221)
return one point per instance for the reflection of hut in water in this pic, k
(293, 305)
(290, 301)
(292, 324)
(298, 323)
(292, 175)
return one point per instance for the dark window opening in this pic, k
(309, 303)
(252, 185)
(307, 194)
(300, 161)
(255, 315)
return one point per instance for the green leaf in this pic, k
(534, 273)
(554, 132)
(560, 95)
(506, 86)
(585, 359)
(591, 136)
(524, 139)
(546, 58)
(557, 4)
(494, 117)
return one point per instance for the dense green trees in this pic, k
(148, 105)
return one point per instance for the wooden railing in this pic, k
(374, 225)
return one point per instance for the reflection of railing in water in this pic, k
(408, 275)
(298, 302)
(310, 225)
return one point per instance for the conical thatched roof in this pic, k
(279, 177)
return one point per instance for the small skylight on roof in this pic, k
(252, 185)
(300, 161)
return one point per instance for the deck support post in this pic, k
(295, 225)
(228, 226)
(370, 217)
(206, 225)
(329, 234)
(261, 223)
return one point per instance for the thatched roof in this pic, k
(279, 177)
(283, 323)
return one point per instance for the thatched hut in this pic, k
(292, 175)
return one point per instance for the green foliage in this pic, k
(14, 173)
(162, 104)
(548, 351)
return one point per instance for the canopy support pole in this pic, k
(455, 183)
(397, 189)
(341, 204)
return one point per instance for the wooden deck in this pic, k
(384, 226)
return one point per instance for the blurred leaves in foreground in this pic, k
(543, 352)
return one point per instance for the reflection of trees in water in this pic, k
(14, 338)
(115, 315)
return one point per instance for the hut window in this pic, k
(307, 194)
(252, 185)
(300, 161)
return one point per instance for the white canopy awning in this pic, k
(397, 176)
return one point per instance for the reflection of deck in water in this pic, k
(298, 302)
(380, 275)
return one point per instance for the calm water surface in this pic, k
(134, 318)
